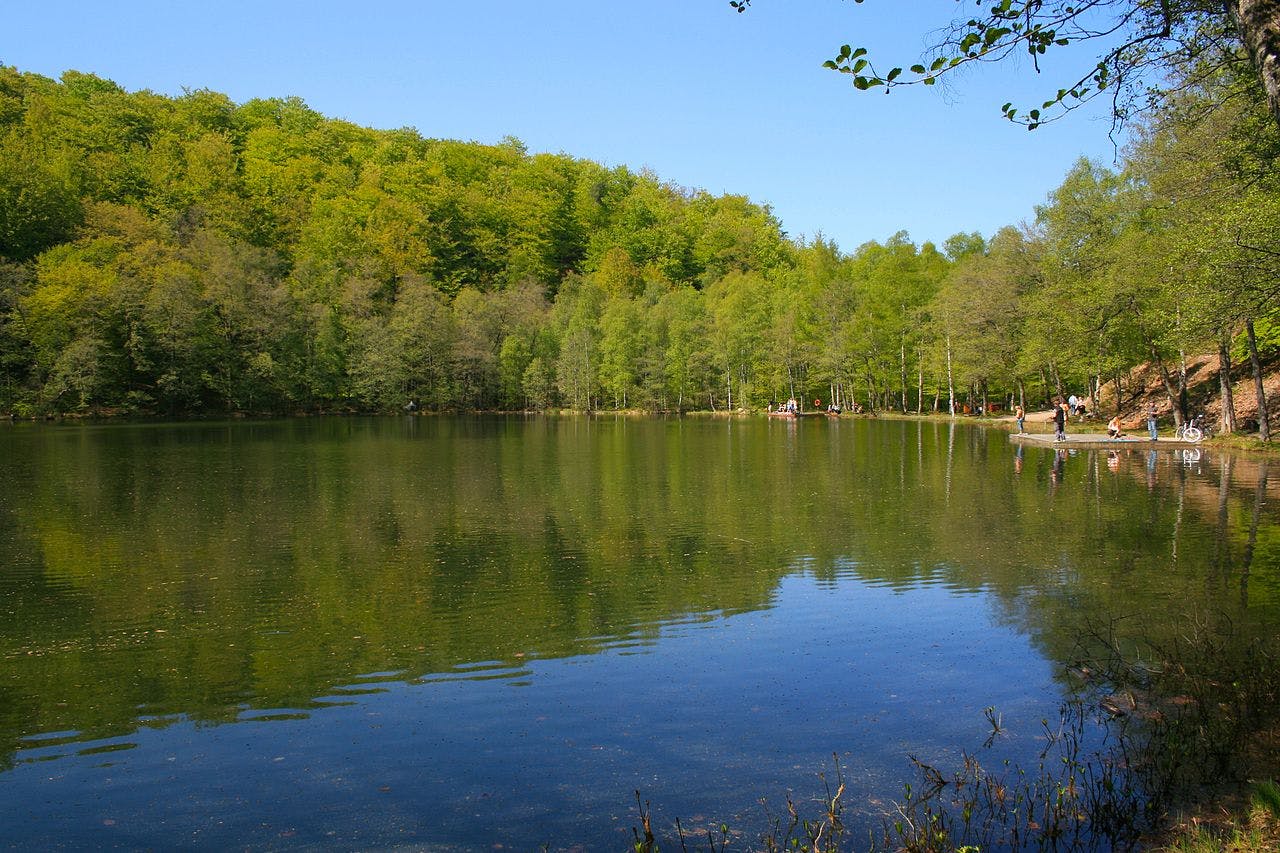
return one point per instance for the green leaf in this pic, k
(892, 75)
(917, 69)
(859, 65)
(929, 81)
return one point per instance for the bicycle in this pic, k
(1190, 430)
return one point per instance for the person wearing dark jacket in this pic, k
(1060, 422)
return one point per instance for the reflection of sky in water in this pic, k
(362, 633)
(702, 720)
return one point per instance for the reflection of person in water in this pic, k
(1017, 459)
(1113, 460)
(1055, 471)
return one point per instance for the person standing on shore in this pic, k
(1152, 421)
(1060, 422)
(1021, 416)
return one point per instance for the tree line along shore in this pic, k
(190, 255)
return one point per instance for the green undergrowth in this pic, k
(1254, 828)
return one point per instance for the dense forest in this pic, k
(188, 255)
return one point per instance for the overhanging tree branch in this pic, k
(1154, 35)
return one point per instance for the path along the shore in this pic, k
(1092, 440)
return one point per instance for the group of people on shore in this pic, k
(792, 406)
(1075, 405)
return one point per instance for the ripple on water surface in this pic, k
(361, 633)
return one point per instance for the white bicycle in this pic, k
(1189, 431)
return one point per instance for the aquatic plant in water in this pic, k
(1151, 728)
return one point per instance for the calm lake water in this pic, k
(485, 633)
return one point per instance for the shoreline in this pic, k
(1039, 425)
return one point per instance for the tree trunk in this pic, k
(1057, 381)
(1170, 389)
(1258, 23)
(1224, 382)
(920, 383)
(951, 387)
(1264, 422)
(1182, 382)
(902, 370)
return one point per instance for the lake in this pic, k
(481, 633)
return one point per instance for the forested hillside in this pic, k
(185, 255)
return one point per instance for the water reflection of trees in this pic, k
(195, 570)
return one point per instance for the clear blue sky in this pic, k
(702, 96)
